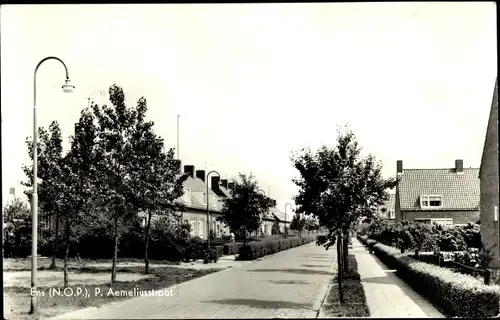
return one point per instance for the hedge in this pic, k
(219, 250)
(254, 250)
(232, 248)
(458, 295)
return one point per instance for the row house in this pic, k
(195, 203)
(448, 196)
(489, 177)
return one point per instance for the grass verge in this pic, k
(17, 299)
(24, 264)
(354, 296)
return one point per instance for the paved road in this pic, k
(387, 296)
(291, 283)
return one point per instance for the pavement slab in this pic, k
(289, 284)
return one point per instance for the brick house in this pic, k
(195, 202)
(489, 177)
(390, 209)
(445, 196)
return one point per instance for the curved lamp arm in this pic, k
(67, 87)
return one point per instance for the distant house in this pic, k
(284, 219)
(195, 202)
(387, 211)
(489, 176)
(445, 196)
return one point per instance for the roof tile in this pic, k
(458, 191)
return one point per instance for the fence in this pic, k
(445, 259)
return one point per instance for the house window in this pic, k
(392, 214)
(201, 228)
(213, 202)
(423, 220)
(447, 222)
(218, 230)
(192, 223)
(430, 201)
(186, 197)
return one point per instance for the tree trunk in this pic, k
(54, 244)
(66, 252)
(345, 251)
(340, 265)
(115, 253)
(147, 238)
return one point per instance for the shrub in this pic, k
(194, 250)
(457, 294)
(219, 250)
(210, 255)
(255, 250)
(232, 248)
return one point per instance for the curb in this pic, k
(320, 302)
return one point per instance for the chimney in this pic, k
(200, 174)
(230, 185)
(459, 166)
(399, 167)
(223, 182)
(215, 183)
(189, 170)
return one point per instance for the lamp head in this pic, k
(68, 87)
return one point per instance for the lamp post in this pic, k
(260, 217)
(67, 88)
(208, 209)
(287, 204)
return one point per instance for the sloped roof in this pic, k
(198, 194)
(491, 129)
(458, 191)
(225, 191)
(390, 204)
(281, 215)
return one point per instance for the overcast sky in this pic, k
(253, 82)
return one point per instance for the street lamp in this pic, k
(287, 204)
(260, 217)
(208, 210)
(67, 88)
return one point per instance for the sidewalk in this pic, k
(289, 284)
(387, 295)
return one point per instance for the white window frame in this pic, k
(439, 220)
(425, 201)
(186, 197)
(423, 219)
(193, 224)
(392, 214)
(213, 202)
(201, 228)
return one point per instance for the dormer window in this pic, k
(186, 197)
(430, 201)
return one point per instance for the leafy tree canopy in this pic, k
(338, 185)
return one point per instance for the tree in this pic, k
(311, 224)
(159, 182)
(118, 127)
(276, 227)
(77, 178)
(339, 186)
(298, 223)
(243, 209)
(50, 151)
